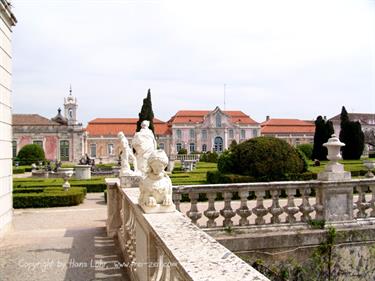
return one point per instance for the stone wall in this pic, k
(6, 21)
(353, 254)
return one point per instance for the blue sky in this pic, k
(286, 59)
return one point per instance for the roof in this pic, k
(197, 116)
(112, 126)
(364, 118)
(287, 126)
(32, 119)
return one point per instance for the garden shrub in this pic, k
(225, 162)
(18, 170)
(48, 198)
(30, 153)
(266, 158)
(306, 149)
(215, 177)
(90, 185)
(182, 151)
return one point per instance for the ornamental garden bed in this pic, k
(44, 197)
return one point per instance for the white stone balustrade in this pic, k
(167, 246)
(333, 202)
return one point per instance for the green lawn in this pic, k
(349, 165)
(198, 176)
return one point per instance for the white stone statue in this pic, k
(156, 187)
(144, 144)
(127, 155)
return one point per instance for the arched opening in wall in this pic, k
(218, 144)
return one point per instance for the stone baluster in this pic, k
(372, 202)
(290, 208)
(193, 213)
(318, 206)
(243, 211)
(361, 203)
(227, 212)
(211, 213)
(259, 210)
(275, 208)
(177, 197)
(305, 207)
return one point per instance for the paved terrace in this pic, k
(68, 243)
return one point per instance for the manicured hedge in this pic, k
(91, 186)
(48, 198)
(215, 177)
(18, 171)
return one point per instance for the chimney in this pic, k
(267, 117)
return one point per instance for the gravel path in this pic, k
(68, 243)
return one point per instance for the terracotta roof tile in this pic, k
(197, 116)
(32, 119)
(112, 126)
(287, 126)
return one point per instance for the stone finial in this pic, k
(334, 146)
(334, 171)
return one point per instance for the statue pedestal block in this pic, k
(334, 172)
(128, 181)
(158, 209)
(83, 172)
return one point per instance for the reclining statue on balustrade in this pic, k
(156, 187)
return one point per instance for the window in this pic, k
(70, 112)
(204, 134)
(192, 147)
(243, 134)
(179, 134)
(204, 148)
(111, 149)
(218, 120)
(93, 150)
(231, 134)
(218, 146)
(64, 150)
(192, 133)
(161, 146)
(178, 147)
(255, 132)
(38, 142)
(14, 148)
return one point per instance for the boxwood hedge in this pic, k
(47, 197)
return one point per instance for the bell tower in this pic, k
(70, 108)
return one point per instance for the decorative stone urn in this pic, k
(66, 173)
(334, 171)
(370, 165)
(83, 172)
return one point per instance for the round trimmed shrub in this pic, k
(225, 162)
(31, 153)
(182, 151)
(307, 149)
(267, 159)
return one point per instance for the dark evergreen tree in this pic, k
(323, 131)
(351, 134)
(146, 112)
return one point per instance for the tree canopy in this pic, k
(323, 131)
(146, 112)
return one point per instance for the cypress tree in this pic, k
(146, 113)
(323, 131)
(351, 134)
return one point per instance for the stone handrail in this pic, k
(183, 157)
(333, 202)
(167, 246)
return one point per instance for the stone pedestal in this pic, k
(83, 172)
(334, 171)
(113, 207)
(128, 181)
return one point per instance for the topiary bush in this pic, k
(48, 197)
(306, 149)
(182, 151)
(30, 153)
(266, 158)
(211, 157)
